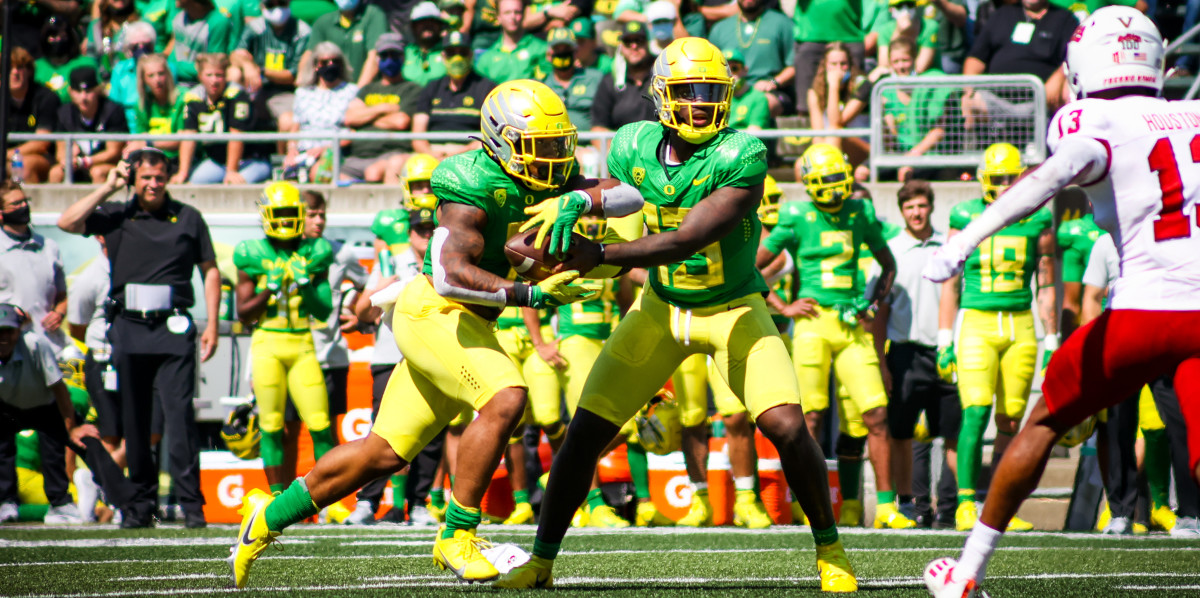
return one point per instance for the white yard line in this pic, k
(172, 577)
(123, 542)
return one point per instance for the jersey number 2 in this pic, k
(1171, 223)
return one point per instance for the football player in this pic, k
(282, 289)
(997, 349)
(1125, 147)
(443, 325)
(825, 236)
(702, 183)
(390, 227)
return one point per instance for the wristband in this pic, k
(1051, 342)
(945, 337)
(521, 294)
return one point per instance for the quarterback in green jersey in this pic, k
(702, 183)
(825, 237)
(996, 349)
(443, 323)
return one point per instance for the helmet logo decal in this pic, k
(639, 175)
(1126, 21)
(1078, 35)
(669, 189)
(1130, 41)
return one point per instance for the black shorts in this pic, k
(916, 387)
(337, 381)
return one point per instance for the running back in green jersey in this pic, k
(827, 246)
(593, 318)
(1076, 238)
(475, 179)
(725, 270)
(997, 275)
(392, 227)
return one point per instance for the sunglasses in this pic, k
(633, 41)
(456, 51)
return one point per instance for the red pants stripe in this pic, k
(1113, 356)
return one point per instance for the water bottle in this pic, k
(386, 268)
(325, 167)
(18, 167)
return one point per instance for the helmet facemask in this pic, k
(683, 100)
(592, 227)
(282, 211)
(1000, 168)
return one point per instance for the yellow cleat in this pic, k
(966, 516)
(798, 516)
(521, 514)
(335, 513)
(887, 516)
(749, 512)
(1016, 524)
(852, 513)
(1140, 529)
(1162, 518)
(544, 480)
(438, 513)
(1104, 518)
(253, 536)
(649, 516)
(580, 519)
(700, 513)
(836, 573)
(605, 516)
(461, 555)
(534, 574)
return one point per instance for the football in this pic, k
(505, 557)
(533, 263)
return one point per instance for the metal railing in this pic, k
(972, 112)
(1181, 45)
(336, 137)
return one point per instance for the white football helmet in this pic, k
(1116, 46)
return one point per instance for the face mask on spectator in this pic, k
(59, 47)
(347, 5)
(663, 31)
(330, 72)
(17, 216)
(458, 66)
(390, 67)
(277, 16)
(562, 61)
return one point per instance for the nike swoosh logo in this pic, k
(700, 181)
(246, 539)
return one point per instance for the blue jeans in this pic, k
(209, 172)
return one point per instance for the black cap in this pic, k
(456, 39)
(84, 78)
(635, 29)
(421, 216)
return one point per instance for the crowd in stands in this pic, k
(212, 66)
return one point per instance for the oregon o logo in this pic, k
(355, 424)
(230, 491)
(679, 492)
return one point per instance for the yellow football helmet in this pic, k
(692, 72)
(826, 176)
(999, 169)
(419, 168)
(526, 129)
(592, 227)
(1079, 434)
(282, 211)
(241, 432)
(72, 371)
(768, 208)
(659, 425)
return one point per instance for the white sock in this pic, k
(746, 483)
(698, 486)
(979, 548)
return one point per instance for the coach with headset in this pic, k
(154, 243)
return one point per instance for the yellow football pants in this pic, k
(543, 408)
(997, 352)
(284, 363)
(824, 339)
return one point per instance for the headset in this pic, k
(136, 156)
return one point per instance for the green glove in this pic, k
(274, 281)
(554, 291)
(946, 360)
(299, 268)
(557, 216)
(849, 312)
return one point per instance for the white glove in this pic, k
(946, 261)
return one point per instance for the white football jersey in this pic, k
(1148, 197)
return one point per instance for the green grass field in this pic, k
(395, 561)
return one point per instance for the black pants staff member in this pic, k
(154, 243)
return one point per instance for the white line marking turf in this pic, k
(123, 542)
(172, 577)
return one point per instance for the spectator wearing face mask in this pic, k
(453, 102)
(268, 58)
(90, 111)
(383, 105)
(137, 40)
(354, 28)
(517, 54)
(321, 106)
(105, 32)
(60, 56)
(423, 57)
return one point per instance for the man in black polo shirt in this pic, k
(624, 94)
(154, 244)
(453, 102)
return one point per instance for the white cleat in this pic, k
(939, 580)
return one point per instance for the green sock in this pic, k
(437, 498)
(850, 476)
(885, 496)
(32, 512)
(323, 441)
(521, 496)
(270, 448)
(639, 469)
(595, 499)
(825, 537)
(400, 490)
(545, 550)
(1158, 465)
(293, 506)
(970, 448)
(460, 517)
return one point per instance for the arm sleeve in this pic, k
(103, 220)
(81, 300)
(243, 113)
(43, 355)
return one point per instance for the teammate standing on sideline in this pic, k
(1124, 146)
(703, 183)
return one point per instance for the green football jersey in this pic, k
(1076, 238)
(725, 270)
(593, 318)
(475, 179)
(866, 259)
(392, 227)
(286, 310)
(827, 247)
(997, 274)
